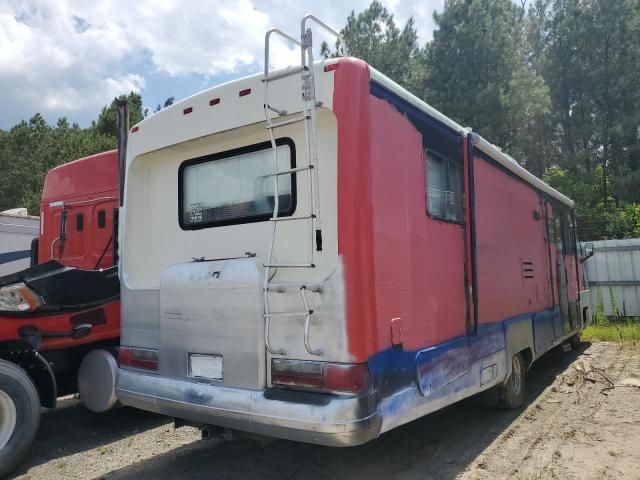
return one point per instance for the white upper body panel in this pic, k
(152, 239)
(171, 126)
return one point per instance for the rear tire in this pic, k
(511, 394)
(19, 415)
(575, 341)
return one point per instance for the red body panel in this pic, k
(107, 331)
(506, 235)
(572, 278)
(419, 261)
(355, 209)
(399, 263)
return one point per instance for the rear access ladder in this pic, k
(308, 116)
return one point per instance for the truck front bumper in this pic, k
(306, 417)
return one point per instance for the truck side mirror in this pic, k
(588, 252)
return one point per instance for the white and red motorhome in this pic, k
(325, 267)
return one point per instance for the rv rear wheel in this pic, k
(19, 415)
(574, 341)
(511, 394)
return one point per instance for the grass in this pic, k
(612, 332)
(103, 449)
(602, 330)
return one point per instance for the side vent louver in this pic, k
(528, 271)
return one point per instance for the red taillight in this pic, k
(187, 110)
(135, 129)
(332, 377)
(331, 68)
(245, 92)
(144, 358)
(214, 101)
(346, 378)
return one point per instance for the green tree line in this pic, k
(32, 148)
(554, 83)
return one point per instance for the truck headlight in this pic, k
(17, 297)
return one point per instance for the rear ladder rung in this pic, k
(282, 287)
(302, 313)
(292, 170)
(290, 265)
(288, 219)
(279, 111)
(288, 122)
(284, 74)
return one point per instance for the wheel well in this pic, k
(36, 367)
(527, 356)
(45, 381)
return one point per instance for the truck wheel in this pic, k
(511, 394)
(574, 341)
(19, 415)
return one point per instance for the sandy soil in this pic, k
(581, 421)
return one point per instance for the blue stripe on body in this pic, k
(411, 384)
(9, 257)
(435, 367)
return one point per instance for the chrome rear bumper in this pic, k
(314, 418)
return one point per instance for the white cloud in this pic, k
(70, 57)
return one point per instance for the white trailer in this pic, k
(17, 231)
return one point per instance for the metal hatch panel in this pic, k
(213, 307)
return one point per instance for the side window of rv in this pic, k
(444, 188)
(79, 222)
(236, 186)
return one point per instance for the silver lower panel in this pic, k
(333, 420)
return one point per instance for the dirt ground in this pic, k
(581, 420)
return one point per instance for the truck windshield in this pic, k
(236, 186)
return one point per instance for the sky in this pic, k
(72, 57)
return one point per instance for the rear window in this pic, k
(236, 186)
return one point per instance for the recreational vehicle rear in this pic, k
(317, 254)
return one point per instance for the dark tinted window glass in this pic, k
(102, 219)
(79, 222)
(236, 188)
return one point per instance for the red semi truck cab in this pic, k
(87, 190)
(60, 318)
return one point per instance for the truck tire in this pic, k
(511, 394)
(574, 341)
(19, 415)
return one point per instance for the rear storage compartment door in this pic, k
(211, 327)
